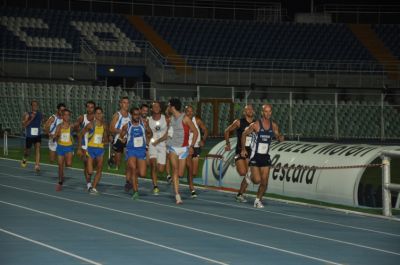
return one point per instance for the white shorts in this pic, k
(52, 145)
(158, 152)
(181, 152)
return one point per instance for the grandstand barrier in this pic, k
(327, 172)
(215, 157)
(387, 185)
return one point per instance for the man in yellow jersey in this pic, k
(97, 137)
(65, 148)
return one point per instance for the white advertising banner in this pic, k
(302, 179)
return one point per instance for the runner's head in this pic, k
(248, 111)
(60, 108)
(174, 105)
(144, 110)
(135, 113)
(266, 111)
(90, 105)
(156, 107)
(34, 105)
(189, 111)
(124, 104)
(98, 113)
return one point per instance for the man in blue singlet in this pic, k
(264, 129)
(32, 122)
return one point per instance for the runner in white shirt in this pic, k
(50, 129)
(192, 162)
(157, 146)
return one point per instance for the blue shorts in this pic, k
(135, 152)
(63, 150)
(95, 152)
(181, 152)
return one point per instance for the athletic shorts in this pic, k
(135, 152)
(52, 145)
(63, 150)
(95, 152)
(29, 141)
(119, 146)
(158, 152)
(260, 161)
(196, 152)
(238, 156)
(181, 152)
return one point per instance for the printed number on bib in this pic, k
(34, 131)
(138, 141)
(248, 140)
(262, 148)
(98, 139)
(65, 137)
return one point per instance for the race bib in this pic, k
(248, 140)
(34, 131)
(98, 138)
(262, 148)
(138, 142)
(65, 137)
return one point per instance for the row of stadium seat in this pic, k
(112, 34)
(310, 118)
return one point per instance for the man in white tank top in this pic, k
(80, 124)
(192, 162)
(50, 129)
(157, 146)
(119, 119)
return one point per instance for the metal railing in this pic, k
(387, 185)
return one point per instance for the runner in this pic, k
(178, 145)
(260, 161)
(157, 147)
(65, 148)
(241, 161)
(50, 128)
(192, 161)
(135, 150)
(97, 136)
(80, 124)
(32, 122)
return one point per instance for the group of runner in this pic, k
(163, 142)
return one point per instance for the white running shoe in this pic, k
(169, 179)
(258, 204)
(178, 199)
(93, 191)
(240, 198)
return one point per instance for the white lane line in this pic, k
(165, 222)
(50, 247)
(213, 215)
(113, 232)
(232, 205)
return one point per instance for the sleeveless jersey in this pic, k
(95, 136)
(180, 137)
(243, 125)
(120, 123)
(65, 138)
(262, 142)
(57, 121)
(34, 127)
(136, 137)
(158, 127)
(197, 143)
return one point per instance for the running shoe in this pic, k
(156, 190)
(24, 163)
(169, 179)
(258, 204)
(37, 169)
(240, 198)
(93, 191)
(135, 195)
(128, 186)
(178, 199)
(193, 194)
